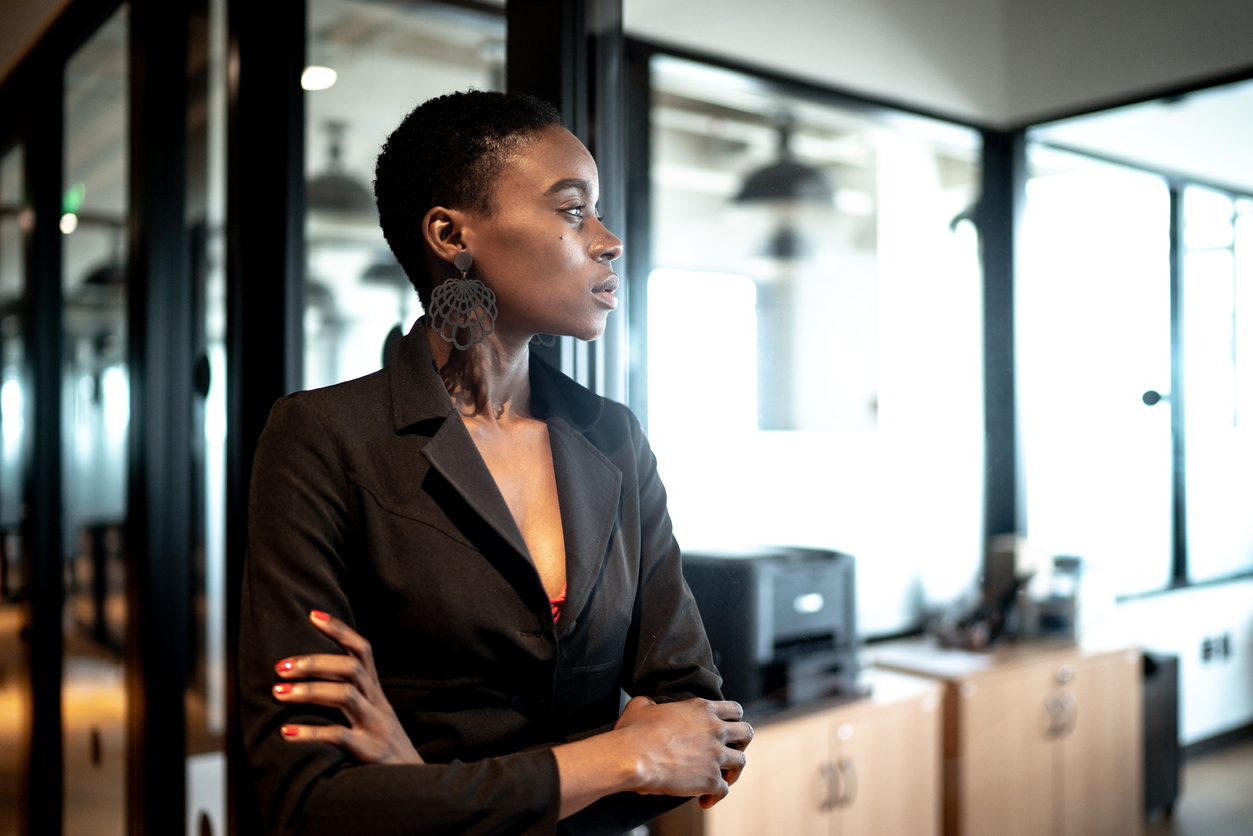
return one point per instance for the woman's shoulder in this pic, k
(351, 408)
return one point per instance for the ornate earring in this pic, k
(547, 340)
(463, 304)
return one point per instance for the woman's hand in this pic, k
(693, 747)
(351, 684)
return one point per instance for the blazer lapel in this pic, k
(589, 489)
(452, 452)
(589, 486)
(419, 397)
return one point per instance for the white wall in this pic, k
(1214, 696)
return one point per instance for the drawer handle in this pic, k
(1063, 712)
(841, 782)
(831, 786)
(849, 782)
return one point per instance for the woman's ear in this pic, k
(445, 232)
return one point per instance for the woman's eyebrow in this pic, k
(570, 183)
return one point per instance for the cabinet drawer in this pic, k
(863, 768)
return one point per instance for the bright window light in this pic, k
(69, 222)
(12, 408)
(317, 78)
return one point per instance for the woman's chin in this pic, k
(586, 331)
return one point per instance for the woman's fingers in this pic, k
(732, 765)
(341, 695)
(738, 735)
(710, 799)
(332, 666)
(348, 638)
(345, 738)
(334, 734)
(361, 746)
(349, 683)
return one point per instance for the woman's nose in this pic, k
(608, 246)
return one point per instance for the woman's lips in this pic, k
(605, 290)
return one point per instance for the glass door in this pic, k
(95, 415)
(15, 220)
(1092, 303)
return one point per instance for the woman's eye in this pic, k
(580, 211)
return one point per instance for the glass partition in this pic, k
(95, 416)
(370, 63)
(206, 220)
(15, 413)
(1218, 377)
(815, 340)
(1092, 303)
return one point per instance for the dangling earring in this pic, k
(546, 340)
(463, 304)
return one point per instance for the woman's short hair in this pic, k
(447, 152)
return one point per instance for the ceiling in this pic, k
(1003, 63)
(999, 62)
(1205, 136)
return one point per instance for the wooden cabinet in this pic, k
(1038, 741)
(865, 768)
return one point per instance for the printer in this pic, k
(782, 621)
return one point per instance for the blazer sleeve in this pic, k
(668, 657)
(297, 543)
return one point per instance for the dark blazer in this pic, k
(369, 500)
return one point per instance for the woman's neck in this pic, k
(501, 367)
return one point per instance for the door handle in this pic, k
(1063, 714)
(849, 782)
(831, 782)
(1071, 708)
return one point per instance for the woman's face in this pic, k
(543, 250)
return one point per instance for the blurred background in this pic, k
(962, 289)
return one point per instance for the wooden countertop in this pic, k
(927, 658)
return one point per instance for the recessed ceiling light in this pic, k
(317, 78)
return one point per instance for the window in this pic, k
(95, 418)
(1096, 315)
(370, 64)
(814, 364)
(15, 418)
(1218, 381)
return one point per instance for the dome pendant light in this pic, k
(787, 181)
(333, 190)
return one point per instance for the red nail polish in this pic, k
(283, 688)
(290, 731)
(284, 666)
(320, 616)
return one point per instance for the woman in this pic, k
(496, 532)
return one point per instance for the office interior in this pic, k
(1005, 310)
